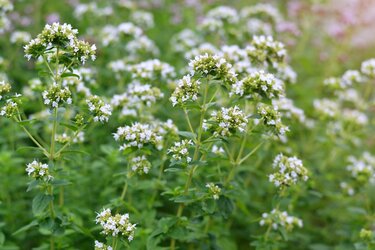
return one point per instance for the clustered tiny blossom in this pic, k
(354, 117)
(140, 46)
(351, 77)
(38, 171)
(286, 106)
(180, 150)
(226, 121)
(213, 65)
(267, 11)
(214, 190)
(10, 109)
(102, 246)
(288, 171)
(20, 37)
(60, 35)
(184, 40)
(187, 90)
(368, 67)
(56, 96)
(278, 219)
(272, 117)
(100, 110)
(143, 19)
(140, 164)
(363, 168)
(265, 49)
(224, 14)
(259, 83)
(326, 107)
(137, 135)
(151, 70)
(217, 150)
(115, 225)
(4, 88)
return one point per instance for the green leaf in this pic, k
(40, 202)
(33, 184)
(2, 238)
(187, 134)
(69, 74)
(25, 228)
(225, 206)
(26, 122)
(69, 126)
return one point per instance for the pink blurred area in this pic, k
(353, 19)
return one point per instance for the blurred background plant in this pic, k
(143, 50)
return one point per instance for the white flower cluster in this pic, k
(266, 50)
(368, 67)
(56, 96)
(351, 77)
(38, 171)
(278, 219)
(102, 246)
(56, 34)
(135, 97)
(271, 117)
(143, 19)
(168, 130)
(217, 18)
(288, 171)
(354, 117)
(259, 27)
(363, 168)
(138, 135)
(213, 65)
(224, 14)
(20, 37)
(214, 190)
(78, 84)
(217, 150)
(226, 121)
(326, 107)
(286, 106)
(262, 10)
(5, 7)
(4, 88)
(140, 46)
(129, 29)
(99, 109)
(187, 90)
(91, 8)
(10, 109)
(151, 70)
(259, 83)
(140, 164)
(180, 150)
(184, 41)
(115, 225)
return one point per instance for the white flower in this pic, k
(288, 171)
(38, 170)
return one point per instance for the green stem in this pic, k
(53, 134)
(195, 158)
(188, 121)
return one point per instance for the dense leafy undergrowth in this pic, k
(167, 125)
